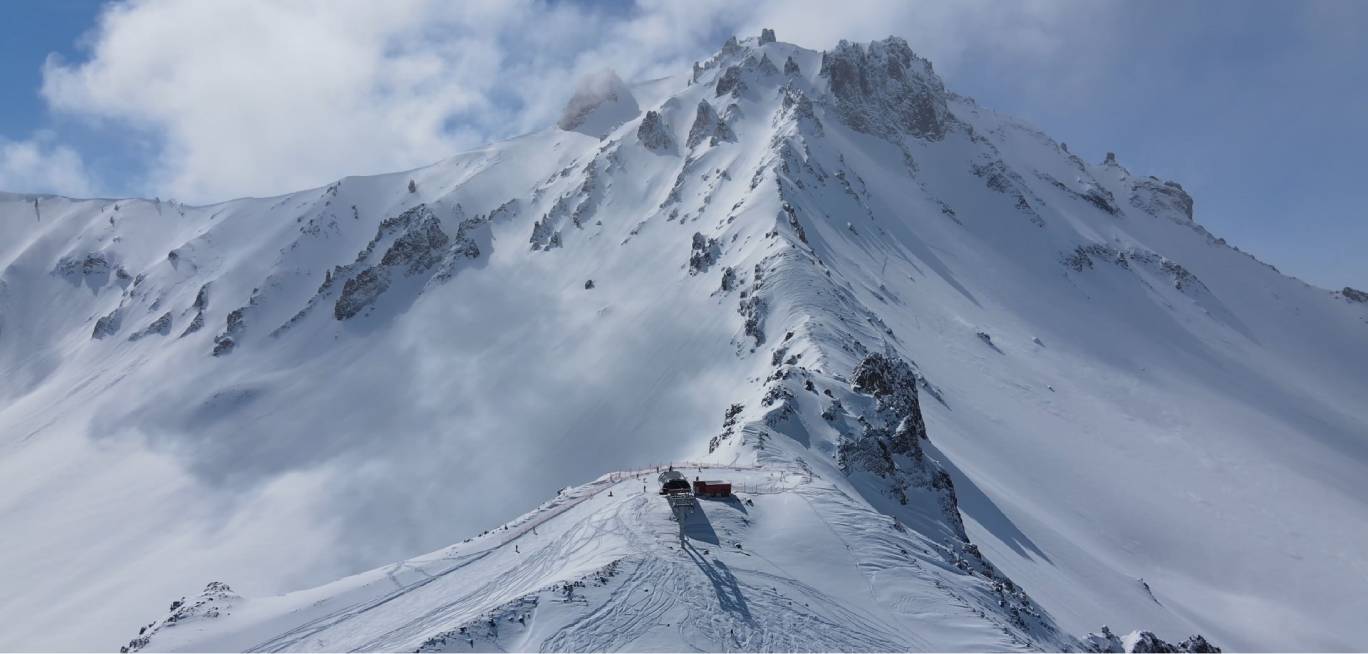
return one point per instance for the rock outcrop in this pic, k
(417, 245)
(108, 324)
(654, 134)
(885, 89)
(216, 600)
(1136, 642)
(160, 326)
(1161, 198)
(708, 126)
(703, 253)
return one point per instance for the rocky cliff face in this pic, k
(884, 88)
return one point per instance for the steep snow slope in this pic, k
(1144, 427)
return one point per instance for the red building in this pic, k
(712, 488)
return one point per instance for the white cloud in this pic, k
(41, 165)
(258, 97)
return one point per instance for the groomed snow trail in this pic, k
(769, 571)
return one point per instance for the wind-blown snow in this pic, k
(1145, 427)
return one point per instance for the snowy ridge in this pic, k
(977, 393)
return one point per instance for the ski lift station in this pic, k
(673, 482)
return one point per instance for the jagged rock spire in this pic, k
(884, 88)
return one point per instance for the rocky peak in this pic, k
(884, 88)
(1144, 641)
(732, 47)
(601, 103)
(708, 126)
(730, 82)
(766, 36)
(1157, 197)
(654, 134)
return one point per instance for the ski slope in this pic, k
(1127, 418)
(785, 566)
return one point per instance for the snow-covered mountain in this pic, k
(975, 393)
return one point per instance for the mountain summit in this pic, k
(972, 393)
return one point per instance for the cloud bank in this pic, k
(261, 98)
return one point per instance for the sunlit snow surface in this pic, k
(1188, 417)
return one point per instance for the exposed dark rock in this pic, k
(1144, 642)
(885, 89)
(728, 279)
(419, 246)
(708, 126)
(732, 47)
(196, 324)
(730, 83)
(1159, 198)
(93, 268)
(236, 325)
(588, 284)
(360, 291)
(216, 600)
(1199, 645)
(752, 310)
(703, 253)
(1354, 295)
(800, 106)
(791, 67)
(766, 36)
(893, 384)
(108, 324)
(202, 298)
(544, 237)
(766, 66)
(654, 134)
(791, 217)
(998, 177)
(1101, 198)
(161, 325)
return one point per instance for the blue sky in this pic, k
(1258, 108)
